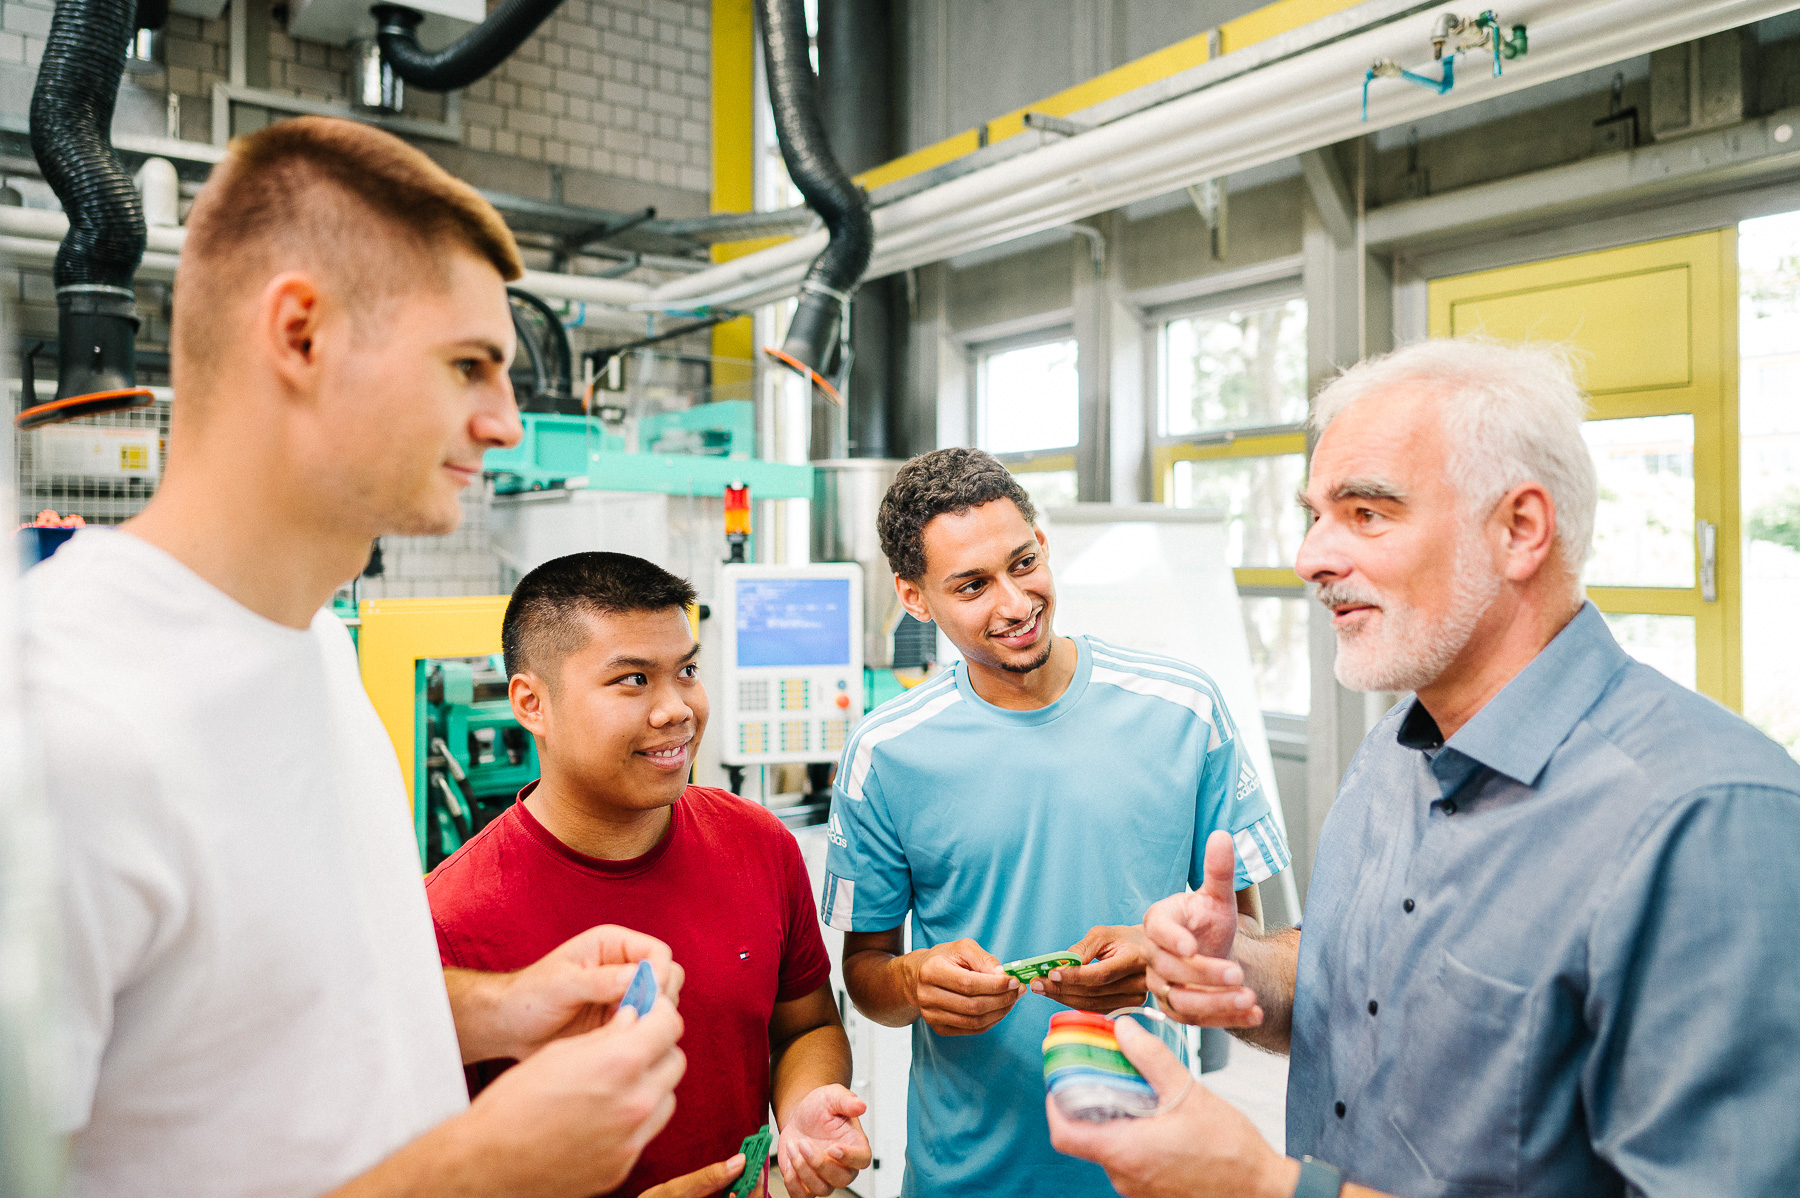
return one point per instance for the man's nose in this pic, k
(496, 424)
(1320, 558)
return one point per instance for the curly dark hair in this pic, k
(942, 482)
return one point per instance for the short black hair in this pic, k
(539, 630)
(942, 482)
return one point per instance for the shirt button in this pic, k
(1374, 1006)
(1340, 1110)
(1449, 806)
(1407, 906)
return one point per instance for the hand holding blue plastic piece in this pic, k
(640, 995)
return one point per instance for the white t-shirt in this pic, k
(254, 1000)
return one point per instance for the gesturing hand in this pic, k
(575, 987)
(1200, 1145)
(1191, 937)
(1113, 976)
(823, 1147)
(574, 1117)
(960, 989)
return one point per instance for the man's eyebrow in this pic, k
(647, 663)
(492, 349)
(977, 571)
(1367, 488)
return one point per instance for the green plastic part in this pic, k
(1032, 968)
(756, 1158)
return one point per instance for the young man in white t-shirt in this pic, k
(253, 996)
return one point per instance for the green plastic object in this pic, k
(1032, 968)
(752, 1183)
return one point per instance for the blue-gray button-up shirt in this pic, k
(1560, 953)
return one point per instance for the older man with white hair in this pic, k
(1551, 937)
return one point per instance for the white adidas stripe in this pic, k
(1260, 850)
(863, 756)
(894, 709)
(1196, 700)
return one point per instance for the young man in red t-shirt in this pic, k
(602, 665)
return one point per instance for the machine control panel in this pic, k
(793, 662)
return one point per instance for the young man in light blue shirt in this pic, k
(1038, 796)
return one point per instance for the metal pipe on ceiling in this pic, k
(1303, 102)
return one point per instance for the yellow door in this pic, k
(1656, 329)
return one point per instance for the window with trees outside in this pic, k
(1231, 415)
(1029, 415)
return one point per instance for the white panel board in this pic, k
(1156, 579)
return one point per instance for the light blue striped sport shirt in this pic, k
(1022, 830)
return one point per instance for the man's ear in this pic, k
(530, 701)
(1527, 517)
(912, 599)
(288, 323)
(1042, 540)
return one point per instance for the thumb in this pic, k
(700, 1182)
(843, 1101)
(1221, 868)
(973, 956)
(1160, 1067)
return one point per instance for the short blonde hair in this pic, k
(333, 195)
(1512, 413)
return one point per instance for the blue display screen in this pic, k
(793, 621)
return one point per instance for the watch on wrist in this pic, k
(1318, 1180)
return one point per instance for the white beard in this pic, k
(1401, 649)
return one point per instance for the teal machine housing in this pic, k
(477, 758)
(697, 451)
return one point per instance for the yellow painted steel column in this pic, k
(733, 169)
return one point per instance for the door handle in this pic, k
(1707, 534)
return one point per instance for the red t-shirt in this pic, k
(726, 889)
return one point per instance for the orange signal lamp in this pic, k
(737, 519)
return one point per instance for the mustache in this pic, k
(1336, 594)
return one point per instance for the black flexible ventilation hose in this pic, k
(467, 58)
(71, 122)
(794, 95)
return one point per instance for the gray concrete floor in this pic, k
(1255, 1082)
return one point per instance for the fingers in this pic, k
(965, 973)
(1160, 1067)
(1213, 1008)
(1200, 970)
(1166, 926)
(842, 1100)
(1072, 1137)
(700, 1182)
(1107, 972)
(973, 957)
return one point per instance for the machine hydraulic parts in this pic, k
(478, 758)
(1452, 35)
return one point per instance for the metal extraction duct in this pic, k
(818, 322)
(71, 124)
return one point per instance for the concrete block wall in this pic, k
(616, 87)
(619, 88)
(460, 563)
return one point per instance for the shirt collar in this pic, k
(1518, 730)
